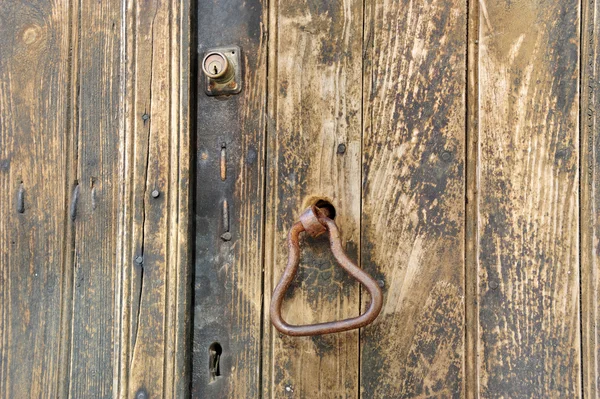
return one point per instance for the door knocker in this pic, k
(315, 221)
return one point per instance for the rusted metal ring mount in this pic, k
(314, 221)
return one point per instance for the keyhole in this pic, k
(215, 67)
(214, 362)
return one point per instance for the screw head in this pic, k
(155, 193)
(493, 285)
(446, 156)
(341, 148)
(145, 117)
(139, 260)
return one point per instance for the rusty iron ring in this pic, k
(308, 222)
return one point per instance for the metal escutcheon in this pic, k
(222, 71)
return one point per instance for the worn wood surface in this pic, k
(413, 198)
(529, 203)
(93, 183)
(230, 174)
(35, 110)
(76, 210)
(458, 142)
(471, 370)
(154, 254)
(590, 199)
(314, 137)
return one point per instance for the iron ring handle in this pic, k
(309, 220)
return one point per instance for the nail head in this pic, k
(226, 236)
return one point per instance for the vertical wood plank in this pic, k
(153, 249)
(94, 177)
(315, 95)
(590, 199)
(529, 228)
(34, 154)
(472, 206)
(229, 249)
(413, 197)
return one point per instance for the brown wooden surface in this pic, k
(413, 198)
(73, 76)
(35, 110)
(468, 186)
(471, 370)
(93, 182)
(315, 73)
(590, 199)
(529, 203)
(153, 232)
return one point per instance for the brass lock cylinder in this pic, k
(217, 66)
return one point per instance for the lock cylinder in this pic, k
(217, 67)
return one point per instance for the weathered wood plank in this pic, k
(528, 225)
(94, 177)
(153, 252)
(413, 197)
(590, 198)
(315, 95)
(228, 278)
(471, 377)
(35, 107)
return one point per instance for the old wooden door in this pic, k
(143, 222)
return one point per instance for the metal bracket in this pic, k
(222, 71)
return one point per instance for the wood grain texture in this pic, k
(228, 271)
(315, 74)
(94, 184)
(590, 199)
(413, 198)
(153, 253)
(472, 207)
(529, 227)
(34, 153)
(77, 171)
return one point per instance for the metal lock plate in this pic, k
(222, 71)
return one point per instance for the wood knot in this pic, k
(31, 34)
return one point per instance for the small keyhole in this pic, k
(214, 363)
(216, 70)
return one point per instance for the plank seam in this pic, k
(261, 357)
